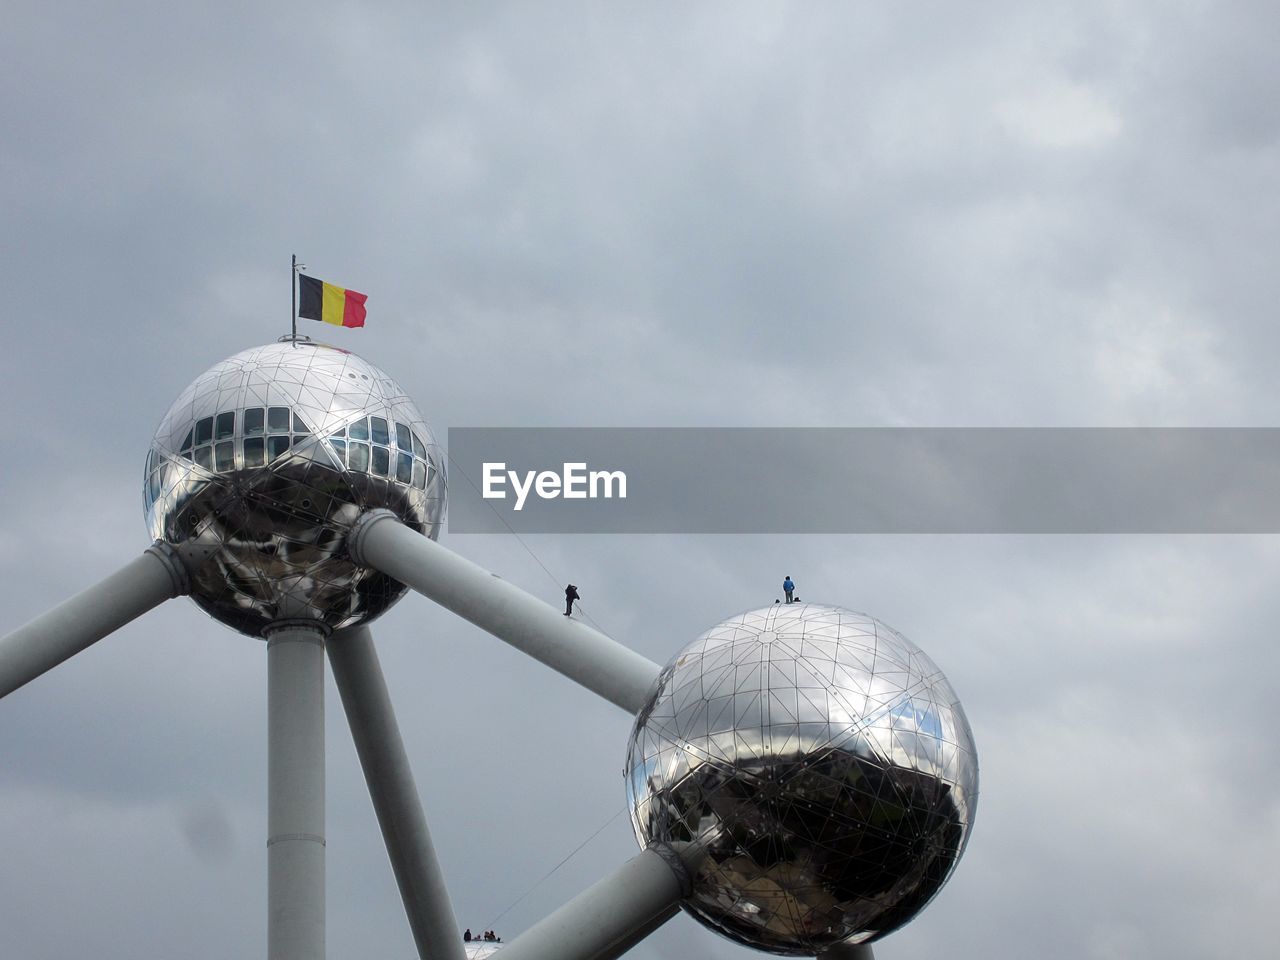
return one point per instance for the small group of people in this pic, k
(571, 594)
(488, 935)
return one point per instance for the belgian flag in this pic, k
(322, 301)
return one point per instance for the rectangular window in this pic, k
(225, 425)
(419, 447)
(404, 467)
(204, 430)
(204, 457)
(340, 450)
(276, 447)
(419, 475)
(253, 452)
(358, 454)
(381, 461)
(379, 426)
(359, 430)
(253, 419)
(403, 439)
(224, 455)
(277, 419)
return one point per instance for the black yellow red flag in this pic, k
(327, 303)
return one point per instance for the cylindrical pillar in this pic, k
(295, 790)
(604, 919)
(395, 796)
(90, 615)
(600, 664)
(848, 951)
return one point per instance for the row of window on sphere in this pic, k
(268, 432)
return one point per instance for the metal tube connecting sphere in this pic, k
(582, 654)
(602, 921)
(146, 582)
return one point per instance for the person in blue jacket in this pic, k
(788, 587)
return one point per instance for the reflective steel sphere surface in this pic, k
(816, 767)
(268, 458)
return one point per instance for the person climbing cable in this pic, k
(570, 595)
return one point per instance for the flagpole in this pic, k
(293, 294)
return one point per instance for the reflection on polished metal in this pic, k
(270, 456)
(822, 763)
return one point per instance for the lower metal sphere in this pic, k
(821, 768)
(267, 459)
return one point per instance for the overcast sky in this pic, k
(728, 214)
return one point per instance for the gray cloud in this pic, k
(731, 215)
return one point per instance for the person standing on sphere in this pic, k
(570, 595)
(788, 587)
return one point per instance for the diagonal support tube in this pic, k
(363, 690)
(640, 933)
(76, 624)
(604, 666)
(606, 919)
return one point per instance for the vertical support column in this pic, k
(363, 690)
(848, 951)
(295, 790)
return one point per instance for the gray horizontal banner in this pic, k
(864, 480)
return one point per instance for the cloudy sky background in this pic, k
(721, 215)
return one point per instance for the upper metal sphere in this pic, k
(269, 457)
(820, 765)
